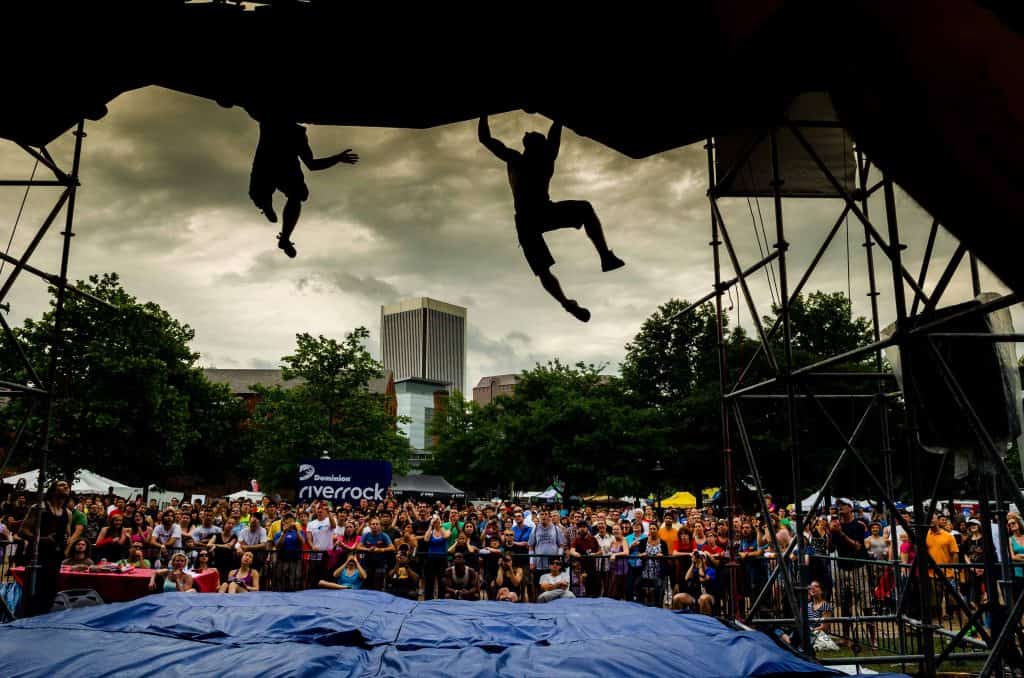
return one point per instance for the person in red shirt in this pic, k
(684, 540)
(684, 546)
(585, 546)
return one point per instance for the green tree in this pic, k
(471, 449)
(673, 354)
(823, 325)
(328, 409)
(566, 421)
(672, 364)
(131, 402)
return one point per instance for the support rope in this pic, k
(21, 208)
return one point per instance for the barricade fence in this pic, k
(642, 578)
(879, 604)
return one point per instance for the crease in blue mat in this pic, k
(368, 633)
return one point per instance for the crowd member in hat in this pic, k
(847, 537)
(586, 548)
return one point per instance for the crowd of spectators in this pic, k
(421, 549)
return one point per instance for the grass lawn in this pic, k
(948, 668)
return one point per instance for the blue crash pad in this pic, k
(367, 633)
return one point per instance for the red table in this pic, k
(116, 588)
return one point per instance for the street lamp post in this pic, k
(658, 470)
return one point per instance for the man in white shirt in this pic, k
(554, 584)
(167, 537)
(319, 534)
(319, 530)
(253, 537)
(546, 539)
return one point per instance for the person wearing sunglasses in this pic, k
(202, 562)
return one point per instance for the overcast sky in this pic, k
(425, 213)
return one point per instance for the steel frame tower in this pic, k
(914, 335)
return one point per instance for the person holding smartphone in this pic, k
(350, 575)
(699, 581)
(402, 580)
(509, 577)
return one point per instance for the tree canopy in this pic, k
(564, 421)
(327, 409)
(605, 434)
(131, 401)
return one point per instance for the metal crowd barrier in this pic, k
(878, 604)
(592, 576)
(875, 603)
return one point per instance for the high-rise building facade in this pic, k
(425, 339)
(490, 388)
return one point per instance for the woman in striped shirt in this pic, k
(819, 609)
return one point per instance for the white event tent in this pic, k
(246, 494)
(86, 482)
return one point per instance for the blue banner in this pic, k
(341, 481)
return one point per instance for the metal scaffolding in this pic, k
(798, 387)
(42, 391)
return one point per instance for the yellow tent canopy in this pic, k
(680, 500)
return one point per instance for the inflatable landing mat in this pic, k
(367, 633)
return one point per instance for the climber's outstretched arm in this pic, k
(555, 137)
(493, 145)
(314, 164)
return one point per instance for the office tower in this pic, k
(425, 339)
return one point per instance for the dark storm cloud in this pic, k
(509, 354)
(368, 286)
(425, 213)
(157, 160)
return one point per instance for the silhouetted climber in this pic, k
(529, 174)
(276, 167)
